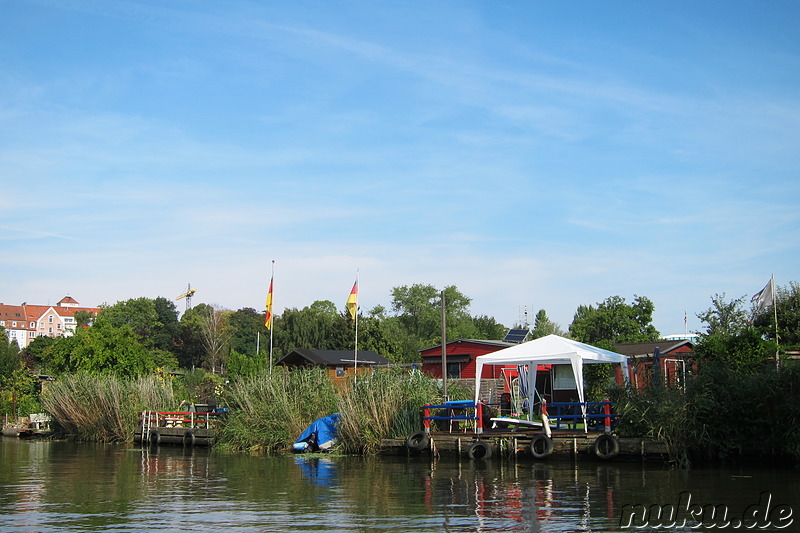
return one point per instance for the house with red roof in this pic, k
(24, 322)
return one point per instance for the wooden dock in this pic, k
(530, 445)
(176, 427)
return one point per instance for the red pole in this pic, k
(479, 414)
(426, 423)
(607, 412)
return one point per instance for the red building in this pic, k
(461, 354)
(673, 361)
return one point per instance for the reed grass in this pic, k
(103, 407)
(386, 404)
(724, 415)
(269, 411)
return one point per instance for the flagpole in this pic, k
(355, 355)
(271, 317)
(775, 311)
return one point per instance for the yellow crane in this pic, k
(188, 295)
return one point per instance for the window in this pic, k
(50, 330)
(14, 324)
(58, 326)
(33, 324)
(453, 370)
(563, 378)
(32, 334)
(51, 319)
(69, 320)
(339, 371)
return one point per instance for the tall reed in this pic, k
(386, 404)
(269, 411)
(103, 407)
(723, 415)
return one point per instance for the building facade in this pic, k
(23, 323)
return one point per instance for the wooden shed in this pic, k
(340, 363)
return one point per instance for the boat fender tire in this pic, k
(606, 446)
(416, 442)
(155, 437)
(541, 446)
(479, 450)
(188, 438)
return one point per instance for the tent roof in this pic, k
(551, 349)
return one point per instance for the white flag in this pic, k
(763, 298)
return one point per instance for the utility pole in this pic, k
(444, 350)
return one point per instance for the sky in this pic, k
(536, 155)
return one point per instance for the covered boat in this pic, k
(320, 435)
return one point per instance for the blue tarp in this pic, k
(319, 435)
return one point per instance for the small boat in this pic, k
(320, 435)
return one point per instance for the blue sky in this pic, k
(539, 155)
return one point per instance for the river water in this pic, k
(62, 486)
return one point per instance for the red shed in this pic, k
(674, 361)
(461, 354)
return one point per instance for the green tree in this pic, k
(83, 318)
(419, 310)
(730, 339)
(189, 346)
(543, 326)
(155, 321)
(319, 326)
(788, 310)
(487, 328)
(104, 349)
(9, 357)
(615, 321)
(723, 317)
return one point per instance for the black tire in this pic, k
(188, 438)
(541, 446)
(416, 442)
(606, 447)
(479, 450)
(155, 437)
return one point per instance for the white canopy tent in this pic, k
(549, 350)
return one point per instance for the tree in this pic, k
(189, 346)
(215, 333)
(419, 311)
(614, 321)
(543, 326)
(9, 357)
(103, 349)
(729, 338)
(154, 321)
(724, 318)
(319, 326)
(788, 310)
(247, 327)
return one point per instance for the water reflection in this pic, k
(58, 486)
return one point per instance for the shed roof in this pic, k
(634, 349)
(308, 356)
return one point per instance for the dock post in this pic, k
(607, 413)
(479, 415)
(426, 423)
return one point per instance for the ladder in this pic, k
(147, 424)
